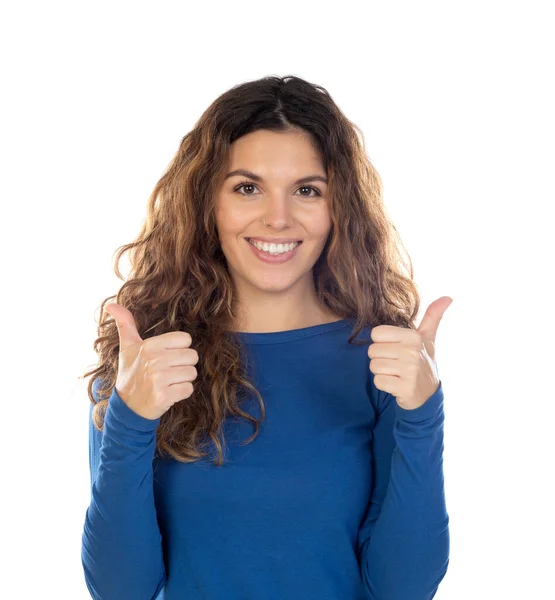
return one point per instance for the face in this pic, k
(293, 210)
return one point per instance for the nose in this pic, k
(278, 211)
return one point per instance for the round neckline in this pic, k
(272, 337)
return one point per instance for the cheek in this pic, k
(224, 221)
(230, 218)
(320, 225)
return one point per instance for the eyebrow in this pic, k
(256, 177)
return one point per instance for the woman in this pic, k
(265, 253)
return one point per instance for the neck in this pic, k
(267, 312)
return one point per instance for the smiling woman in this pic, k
(274, 204)
(265, 253)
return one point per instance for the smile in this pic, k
(285, 252)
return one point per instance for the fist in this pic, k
(155, 373)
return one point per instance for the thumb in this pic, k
(127, 329)
(430, 323)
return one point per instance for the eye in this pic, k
(304, 187)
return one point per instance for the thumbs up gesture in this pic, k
(403, 360)
(155, 373)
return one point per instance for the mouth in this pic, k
(282, 253)
(261, 243)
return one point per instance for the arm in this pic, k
(403, 542)
(121, 548)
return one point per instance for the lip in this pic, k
(270, 240)
(280, 258)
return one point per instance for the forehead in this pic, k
(293, 150)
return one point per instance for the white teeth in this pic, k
(274, 248)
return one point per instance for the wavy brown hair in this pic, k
(179, 279)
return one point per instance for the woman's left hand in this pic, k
(403, 360)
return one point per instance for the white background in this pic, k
(457, 107)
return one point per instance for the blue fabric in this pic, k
(340, 497)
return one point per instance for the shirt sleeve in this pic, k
(121, 548)
(403, 542)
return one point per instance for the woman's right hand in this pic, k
(155, 373)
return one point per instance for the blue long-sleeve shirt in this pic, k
(339, 497)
